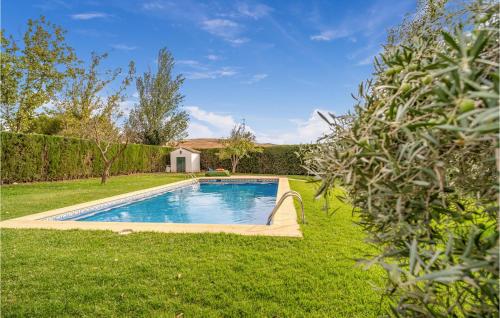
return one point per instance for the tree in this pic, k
(10, 77)
(33, 75)
(157, 118)
(47, 125)
(418, 161)
(240, 144)
(87, 114)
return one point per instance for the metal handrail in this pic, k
(285, 195)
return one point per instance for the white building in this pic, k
(185, 160)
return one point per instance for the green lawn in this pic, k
(99, 273)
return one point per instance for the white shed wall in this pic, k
(195, 163)
(192, 160)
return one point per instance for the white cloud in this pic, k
(256, 78)
(155, 5)
(206, 124)
(222, 123)
(226, 23)
(304, 131)
(89, 16)
(213, 57)
(330, 35)
(226, 71)
(255, 12)
(123, 47)
(197, 70)
(238, 41)
(211, 74)
(226, 29)
(191, 63)
(47, 5)
(197, 130)
(221, 27)
(311, 129)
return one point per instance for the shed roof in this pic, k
(189, 149)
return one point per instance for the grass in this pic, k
(100, 273)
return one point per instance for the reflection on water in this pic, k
(239, 203)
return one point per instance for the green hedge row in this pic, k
(26, 158)
(214, 173)
(32, 157)
(280, 160)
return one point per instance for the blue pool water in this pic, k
(203, 203)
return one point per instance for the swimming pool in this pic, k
(204, 202)
(236, 204)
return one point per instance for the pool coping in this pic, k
(284, 221)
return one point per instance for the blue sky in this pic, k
(271, 63)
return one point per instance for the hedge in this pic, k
(33, 157)
(27, 158)
(214, 173)
(280, 160)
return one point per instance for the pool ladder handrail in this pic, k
(285, 195)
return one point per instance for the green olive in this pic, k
(466, 105)
(393, 70)
(398, 68)
(389, 72)
(427, 80)
(405, 88)
(412, 67)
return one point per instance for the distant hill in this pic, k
(208, 143)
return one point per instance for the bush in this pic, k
(282, 160)
(418, 162)
(31, 157)
(214, 173)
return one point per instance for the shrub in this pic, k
(214, 173)
(281, 160)
(26, 158)
(417, 159)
